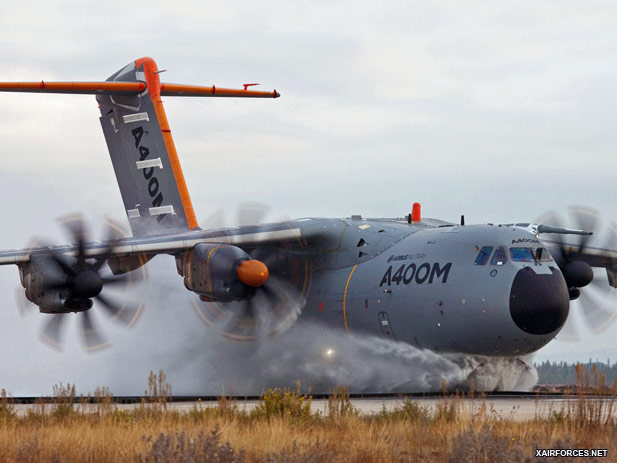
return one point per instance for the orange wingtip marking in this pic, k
(196, 90)
(74, 87)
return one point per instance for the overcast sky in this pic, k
(498, 110)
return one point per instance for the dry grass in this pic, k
(283, 429)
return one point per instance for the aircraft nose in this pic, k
(539, 304)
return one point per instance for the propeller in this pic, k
(593, 294)
(79, 281)
(275, 281)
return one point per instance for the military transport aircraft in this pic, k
(480, 289)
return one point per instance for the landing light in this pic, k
(329, 353)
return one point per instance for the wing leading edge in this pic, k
(169, 244)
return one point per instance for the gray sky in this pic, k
(498, 110)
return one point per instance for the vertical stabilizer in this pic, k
(142, 151)
(144, 156)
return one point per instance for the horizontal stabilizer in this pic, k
(196, 90)
(84, 88)
(130, 88)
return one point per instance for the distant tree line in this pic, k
(565, 373)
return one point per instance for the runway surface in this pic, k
(518, 407)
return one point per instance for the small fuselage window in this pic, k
(521, 255)
(500, 257)
(543, 255)
(483, 255)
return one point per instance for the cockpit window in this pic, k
(483, 255)
(500, 256)
(521, 254)
(543, 255)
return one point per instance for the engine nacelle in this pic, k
(578, 274)
(39, 273)
(210, 270)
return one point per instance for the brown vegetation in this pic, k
(283, 428)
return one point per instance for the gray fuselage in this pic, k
(420, 284)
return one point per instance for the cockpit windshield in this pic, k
(500, 256)
(543, 255)
(521, 255)
(483, 255)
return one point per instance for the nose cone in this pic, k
(539, 304)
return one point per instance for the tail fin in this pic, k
(144, 157)
(138, 137)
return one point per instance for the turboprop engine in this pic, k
(222, 272)
(64, 279)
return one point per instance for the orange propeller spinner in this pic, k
(253, 273)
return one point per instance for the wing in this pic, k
(249, 237)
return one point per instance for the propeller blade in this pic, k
(52, 331)
(569, 333)
(209, 312)
(600, 286)
(100, 260)
(596, 310)
(243, 325)
(285, 304)
(251, 213)
(114, 230)
(271, 307)
(80, 281)
(92, 338)
(60, 260)
(586, 219)
(23, 304)
(75, 224)
(249, 309)
(215, 220)
(611, 243)
(114, 281)
(551, 218)
(126, 314)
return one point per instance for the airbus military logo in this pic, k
(419, 274)
(406, 257)
(525, 240)
(150, 178)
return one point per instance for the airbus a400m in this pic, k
(496, 290)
